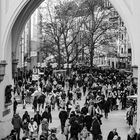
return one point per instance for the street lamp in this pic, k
(2, 69)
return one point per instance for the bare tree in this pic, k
(62, 29)
(97, 25)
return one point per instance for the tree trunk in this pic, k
(68, 71)
(91, 56)
(83, 60)
(59, 57)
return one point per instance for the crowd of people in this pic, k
(103, 91)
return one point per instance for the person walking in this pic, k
(84, 89)
(112, 134)
(95, 129)
(106, 108)
(35, 101)
(63, 115)
(32, 127)
(26, 116)
(15, 105)
(74, 130)
(46, 114)
(88, 121)
(25, 127)
(132, 135)
(17, 123)
(37, 118)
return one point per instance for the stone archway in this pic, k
(13, 19)
(20, 23)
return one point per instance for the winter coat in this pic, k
(38, 118)
(26, 116)
(111, 135)
(106, 106)
(46, 115)
(75, 128)
(45, 125)
(63, 116)
(16, 121)
(88, 121)
(95, 129)
(134, 138)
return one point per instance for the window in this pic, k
(129, 50)
(121, 50)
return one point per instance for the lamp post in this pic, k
(2, 69)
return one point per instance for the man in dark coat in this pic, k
(96, 130)
(74, 130)
(106, 108)
(46, 114)
(37, 118)
(15, 105)
(63, 115)
(84, 89)
(26, 116)
(17, 123)
(88, 121)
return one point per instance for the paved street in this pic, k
(116, 120)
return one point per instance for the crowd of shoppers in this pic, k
(103, 91)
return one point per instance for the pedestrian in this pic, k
(91, 109)
(84, 133)
(45, 127)
(17, 124)
(67, 129)
(63, 115)
(68, 106)
(15, 105)
(12, 135)
(84, 89)
(84, 109)
(37, 118)
(46, 114)
(25, 127)
(74, 130)
(106, 108)
(35, 103)
(32, 127)
(95, 129)
(88, 121)
(26, 116)
(132, 135)
(112, 134)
